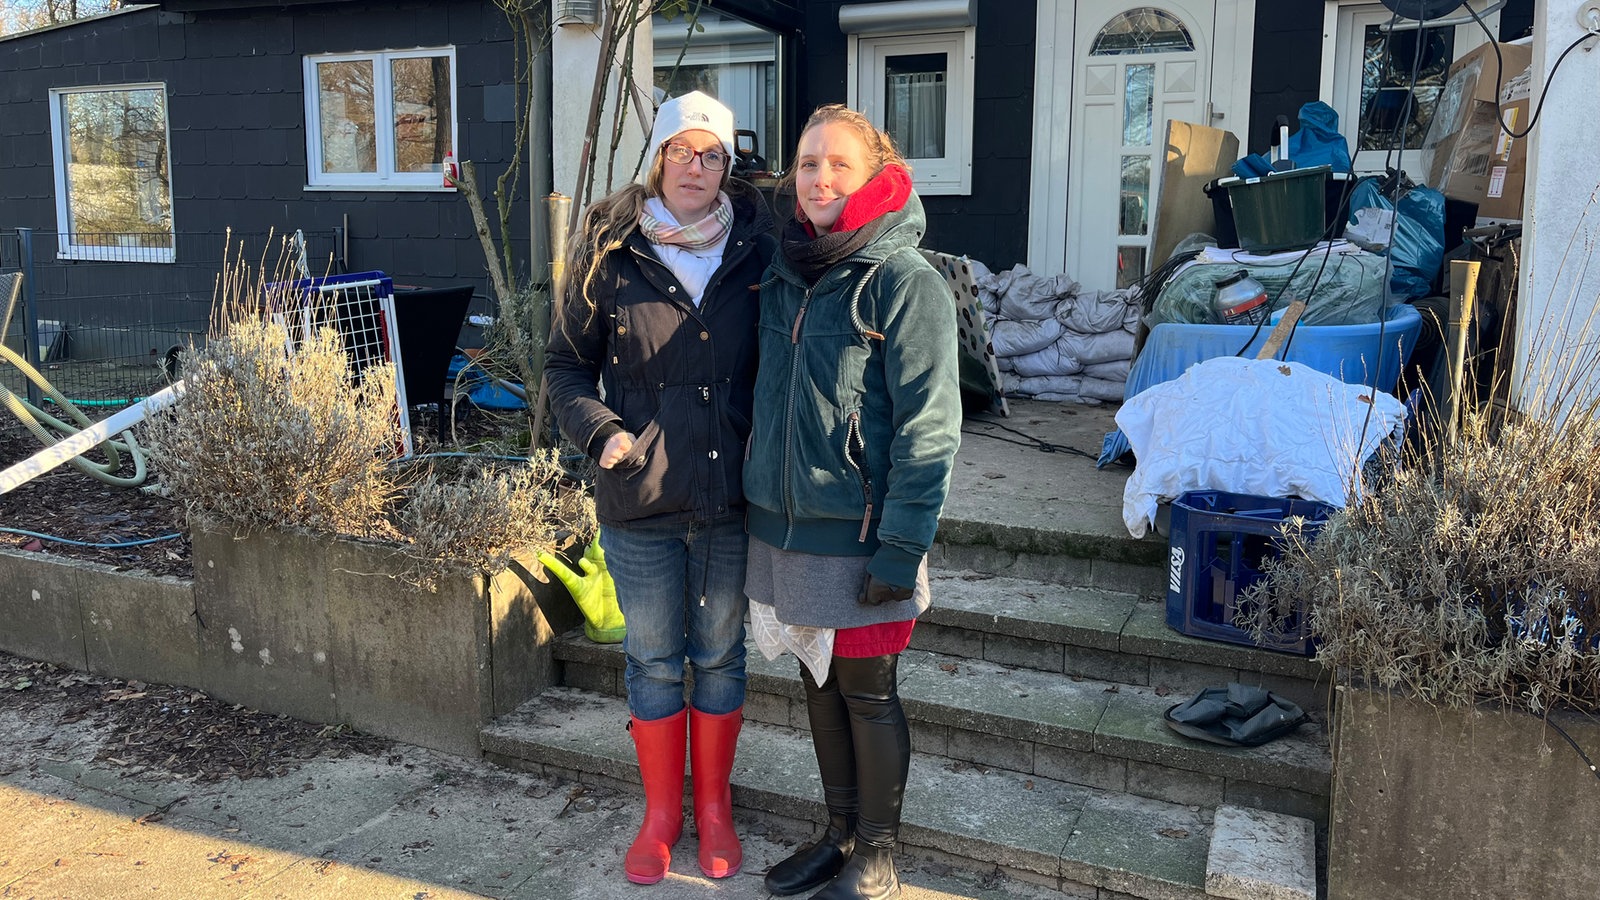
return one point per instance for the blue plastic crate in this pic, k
(1218, 543)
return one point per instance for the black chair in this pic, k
(428, 321)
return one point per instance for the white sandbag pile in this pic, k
(1055, 342)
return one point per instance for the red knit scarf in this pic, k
(885, 192)
(860, 222)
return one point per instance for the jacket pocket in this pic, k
(637, 486)
(855, 456)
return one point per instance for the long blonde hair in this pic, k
(608, 222)
(880, 146)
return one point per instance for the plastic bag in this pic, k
(1346, 289)
(1417, 249)
(1318, 142)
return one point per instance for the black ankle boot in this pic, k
(816, 863)
(869, 875)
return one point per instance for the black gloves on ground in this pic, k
(877, 593)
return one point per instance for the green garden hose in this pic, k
(34, 419)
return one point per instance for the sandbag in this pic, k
(1079, 399)
(1024, 295)
(1116, 370)
(1101, 389)
(1096, 312)
(1052, 360)
(1018, 337)
(1092, 349)
(1042, 384)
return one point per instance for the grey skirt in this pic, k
(821, 591)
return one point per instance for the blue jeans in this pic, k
(681, 590)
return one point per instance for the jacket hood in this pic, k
(902, 228)
(750, 209)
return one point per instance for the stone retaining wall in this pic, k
(304, 625)
(1434, 804)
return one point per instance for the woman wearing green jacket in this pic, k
(856, 425)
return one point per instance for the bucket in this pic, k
(1281, 211)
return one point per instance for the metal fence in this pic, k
(105, 317)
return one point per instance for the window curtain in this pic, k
(916, 113)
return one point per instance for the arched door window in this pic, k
(1142, 30)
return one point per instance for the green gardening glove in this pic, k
(594, 591)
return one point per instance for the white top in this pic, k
(693, 268)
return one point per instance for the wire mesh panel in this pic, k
(360, 307)
(109, 330)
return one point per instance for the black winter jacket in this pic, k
(680, 378)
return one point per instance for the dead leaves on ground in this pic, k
(176, 731)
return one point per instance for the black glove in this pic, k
(877, 593)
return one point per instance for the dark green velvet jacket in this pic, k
(854, 435)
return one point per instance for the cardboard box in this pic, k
(1464, 133)
(1508, 164)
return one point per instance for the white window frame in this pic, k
(385, 178)
(65, 248)
(952, 173)
(1344, 24)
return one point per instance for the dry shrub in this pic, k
(263, 438)
(480, 516)
(1472, 571)
(267, 438)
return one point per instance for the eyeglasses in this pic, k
(713, 159)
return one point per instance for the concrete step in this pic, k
(1109, 635)
(1071, 729)
(1072, 838)
(1013, 509)
(1092, 560)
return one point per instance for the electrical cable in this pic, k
(1037, 443)
(1588, 763)
(62, 540)
(1499, 76)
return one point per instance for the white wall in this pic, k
(1558, 333)
(575, 50)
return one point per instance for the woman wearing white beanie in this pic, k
(661, 312)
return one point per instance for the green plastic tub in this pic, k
(1281, 211)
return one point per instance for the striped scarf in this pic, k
(701, 235)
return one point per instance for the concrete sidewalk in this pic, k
(410, 823)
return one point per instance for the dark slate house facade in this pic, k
(239, 85)
(231, 81)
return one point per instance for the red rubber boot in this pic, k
(712, 740)
(659, 744)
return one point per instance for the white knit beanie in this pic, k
(690, 112)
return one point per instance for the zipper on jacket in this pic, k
(855, 453)
(788, 421)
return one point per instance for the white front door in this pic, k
(1098, 148)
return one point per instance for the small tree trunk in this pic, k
(468, 185)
